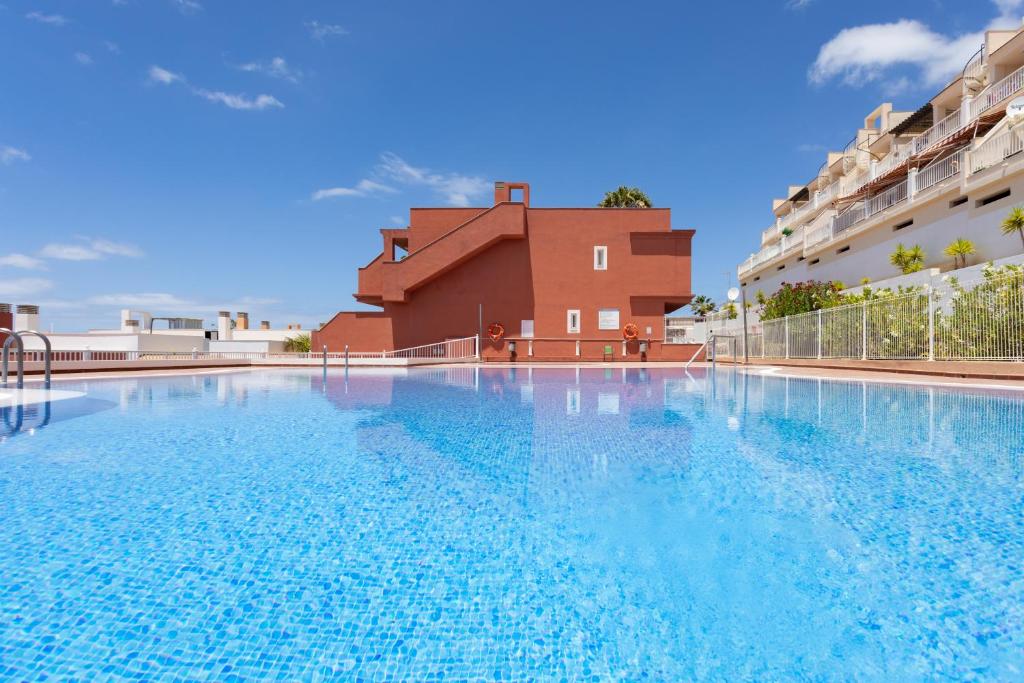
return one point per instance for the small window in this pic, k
(526, 328)
(781, 267)
(801, 258)
(904, 224)
(608, 319)
(757, 279)
(843, 250)
(814, 262)
(600, 258)
(993, 198)
(572, 322)
(957, 202)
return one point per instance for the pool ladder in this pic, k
(16, 338)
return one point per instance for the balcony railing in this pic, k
(891, 197)
(939, 171)
(994, 150)
(853, 215)
(940, 131)
(997, 93)
(766, 254)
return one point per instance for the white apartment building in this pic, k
(953, 168)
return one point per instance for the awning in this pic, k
(918, 122)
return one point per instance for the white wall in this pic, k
(247, 346)
(266, 335)
(118, 342)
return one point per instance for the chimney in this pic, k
(6, 319)
(264, 324)
(224, 325)
(243, 320)
(26, 317)
(503, 192)
(130, 325)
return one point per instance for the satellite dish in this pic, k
(733, 294)
(1015, 110)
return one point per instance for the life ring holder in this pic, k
(495, 331)
(630, 331)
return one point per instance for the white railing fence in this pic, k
(997, 92)
(452, 349)
(980, 320)
(994, 150)
(936, 172)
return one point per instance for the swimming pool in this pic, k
(513, 524)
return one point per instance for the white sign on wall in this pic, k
(608, 319)
(1015, 109)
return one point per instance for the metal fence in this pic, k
(978, 320)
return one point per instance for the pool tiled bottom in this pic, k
(497, 525)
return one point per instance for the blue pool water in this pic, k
(512, 525)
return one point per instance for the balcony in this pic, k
(938, 132)
(996, 150)
(997, 93)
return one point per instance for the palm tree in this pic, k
(299, 343)
(959, 249)
(907, 260)
(1014, 222)
(626, 197)
(702, 306)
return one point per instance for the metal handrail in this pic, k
(16, 338)
(47, 353)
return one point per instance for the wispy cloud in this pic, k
(187, 6)
(165, 301)
(321, 31)
(241, 101)
(90, 250)
(8, 155)
(810, 147)
(362, 188)
(51, 19)
(22, 261)
(112, 47)
(25, 286)
(275, 68)
(455, 188)
(159, 74)
(863, 54)
(83, 58)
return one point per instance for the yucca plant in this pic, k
(626, 197)
(1014, 222)
(300, 343)
(907, 260)
(959, 249)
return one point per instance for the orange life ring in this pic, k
(630, 331)
(495, 331)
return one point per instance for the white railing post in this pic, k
(819, 334)
(786, 331)
(965, 110)
(864, 331)
(931, 322)
(911, 184)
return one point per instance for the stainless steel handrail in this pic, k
(14, 337)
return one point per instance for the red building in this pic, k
(564, 283)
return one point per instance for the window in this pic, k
(904, 224)
(782, 267)
(600, 258)
(815, 262)
(843, 250)
(608, 319)
(957, 202)
(572, 322)
(526, 328)
(993, 198)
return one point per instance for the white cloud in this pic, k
(112, 47)
(456, 189)
(810, 147)
(187, 6)
(321, 31)
(91, 250)
(83, 58)
(22, 261)
(165, 301)
(863, 54)
(51, 19)
(8, 155)
(240, 101)
(363, 188)
(160, 75)
(275, 68)
(26, 286)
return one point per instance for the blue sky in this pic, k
(182, 156)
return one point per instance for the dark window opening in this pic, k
(957, 202)
(801, 258)
(993, 198)
(904, 224)
(757, 278)
(843, 250)
(781, 267)
(814, 262)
